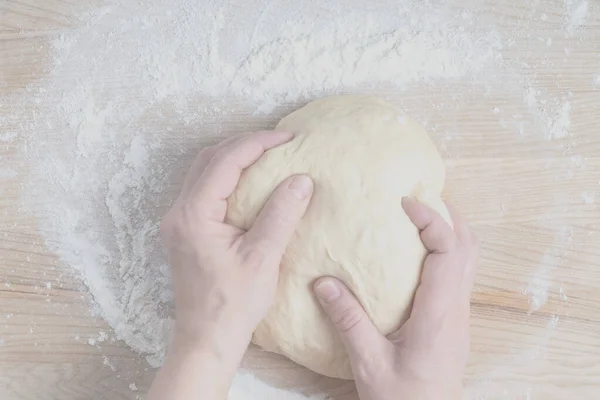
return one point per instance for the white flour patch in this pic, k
(553, 115)
(7, 174)
(8, 136)
(537, 290)
(576, 14)
(108, 363)
(596, 80)
(588, 197)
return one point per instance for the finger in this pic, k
(201, 161)
(436, 234)
(440, 282)
(196, 169)
(444, 285)
(277, 221)
(222, 174)
(360, 337)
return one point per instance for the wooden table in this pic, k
(536, 319)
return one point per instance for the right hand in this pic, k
(425, 359)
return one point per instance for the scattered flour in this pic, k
(108, 363)
(588, 197)
(553, 322)
(8, 136)
(133, 78)
(563, 296)
(553, 115)
(576, 14)
(537, 288)
(541, 282)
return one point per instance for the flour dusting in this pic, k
(129, 93)
(553, 115)
(588, 197)
(576, 14)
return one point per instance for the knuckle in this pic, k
(183, 220)
(170, 226)
(222, 156)
(439, 240)
(188, 212)
(196, 210)
(278, 214)
(448, 242)
(347, 318)
(254, 258)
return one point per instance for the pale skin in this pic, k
(225, 279)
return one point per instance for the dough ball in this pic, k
(364, 156)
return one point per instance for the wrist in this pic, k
(223, 351)
(197, 371)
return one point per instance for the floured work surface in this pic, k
(104, 104)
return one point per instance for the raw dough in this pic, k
(364, 156)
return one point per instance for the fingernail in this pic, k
(327, 291)
(409, 200)
(301, 186)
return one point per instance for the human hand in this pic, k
(426, 357)
(225, 279)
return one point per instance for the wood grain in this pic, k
(508, 186)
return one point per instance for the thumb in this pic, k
(277, 221)
(349, 318)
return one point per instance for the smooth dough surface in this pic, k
(364, 156)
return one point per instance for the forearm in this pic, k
(194, 372)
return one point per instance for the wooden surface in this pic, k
(50, 343)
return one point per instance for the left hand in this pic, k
(225, 278)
